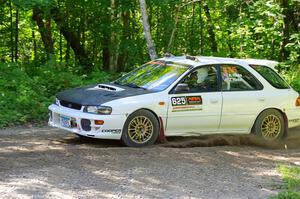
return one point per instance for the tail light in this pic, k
(297, 101)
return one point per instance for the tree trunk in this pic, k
(34, 46)
(201, 28)
(192, 36)
(124, 39)
(11, 32)
(72, 38)
(147, 33)
(106, 40)
(285, 29)
(45, 31)
(17, 35)
(95, 43)
(114, 44)
(173, 31)
(230, 48)
(210, 30)
(68, 48)
(60, 40)
(60, 48)
(176, 21)
(105, 52)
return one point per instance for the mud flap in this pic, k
(161, 138)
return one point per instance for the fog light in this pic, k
(99, 122)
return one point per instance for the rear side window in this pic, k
(271, 76)
(236, 78)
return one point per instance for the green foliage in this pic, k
(20, 98)
(29, 4)
(287, 195)
(25, 97)
(295, 83)
(291, 178)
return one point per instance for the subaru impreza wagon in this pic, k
(182, 96)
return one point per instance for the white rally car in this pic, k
(182, 96)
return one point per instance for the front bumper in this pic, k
(111, 129)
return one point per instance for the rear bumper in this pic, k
(293, 116)
(111, 129)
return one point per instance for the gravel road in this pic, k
(50, 163)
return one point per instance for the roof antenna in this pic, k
(193, 58)
(167, 54)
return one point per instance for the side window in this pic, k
(203, 79)
(271, 76)
(236, 78)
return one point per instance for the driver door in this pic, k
(197, 109)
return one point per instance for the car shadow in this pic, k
(81, 140)
(292, 141)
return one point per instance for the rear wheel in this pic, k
(270, 125)
(140, 129)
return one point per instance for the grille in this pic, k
(70, 105)
(86, 124)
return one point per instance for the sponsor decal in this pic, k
(186, 103)
(294, 120)
(189, 100)
(231, 74)
(113, 131)
(187, 109)
(194, 100)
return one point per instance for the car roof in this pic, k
(204, 60)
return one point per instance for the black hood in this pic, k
(94, 95)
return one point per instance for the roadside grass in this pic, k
(291, 179)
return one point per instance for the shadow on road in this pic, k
(80, 140)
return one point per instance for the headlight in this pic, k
(102, 110)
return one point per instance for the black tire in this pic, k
(270, 125)
(130, 137)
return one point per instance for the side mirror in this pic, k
(181, 88)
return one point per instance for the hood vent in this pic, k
(109, 87)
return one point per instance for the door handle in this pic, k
(262, 99)
(214, 100)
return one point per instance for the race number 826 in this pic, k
(178, 101)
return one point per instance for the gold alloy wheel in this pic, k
(271, 127)
(140, 129)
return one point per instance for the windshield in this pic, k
(155, 75)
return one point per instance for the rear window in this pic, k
(271, 76)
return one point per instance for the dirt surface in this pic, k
(50, 163)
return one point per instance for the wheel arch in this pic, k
(146, 109)
(283, 115)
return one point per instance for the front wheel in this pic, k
(140, 129)
(270, 125)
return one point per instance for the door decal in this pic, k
(186, 103)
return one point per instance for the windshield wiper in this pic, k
(133, 85)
